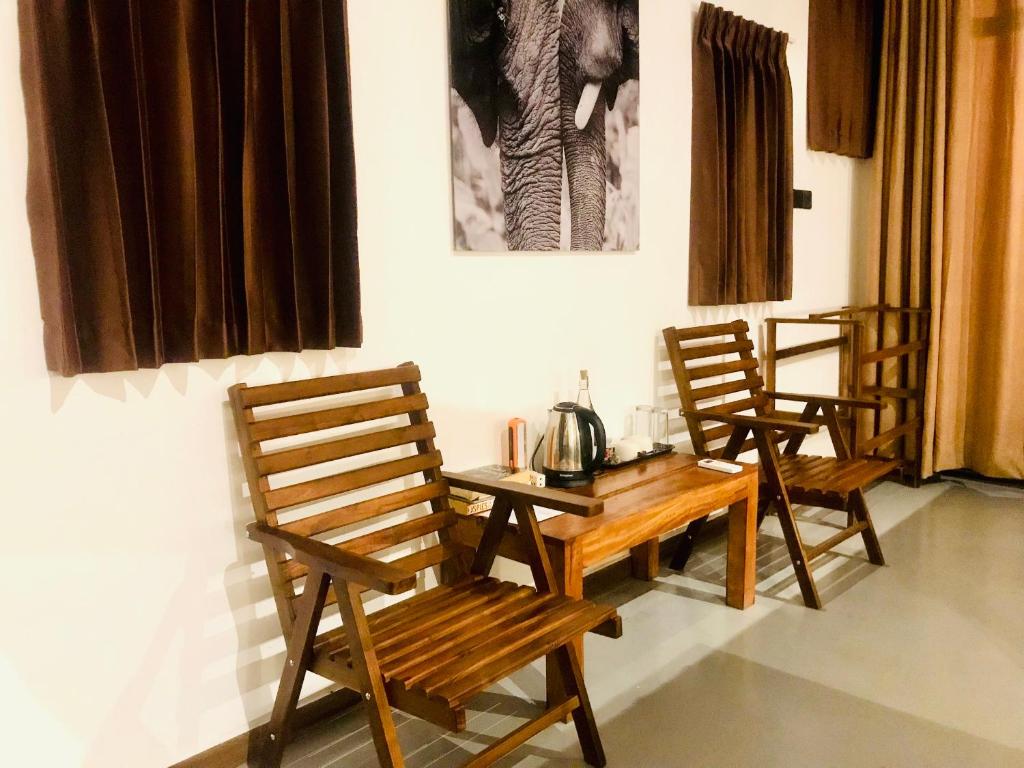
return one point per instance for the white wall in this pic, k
(129, 635)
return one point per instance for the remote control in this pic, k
(720, 466)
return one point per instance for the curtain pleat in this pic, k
(909, 190)
(346, 326)
(843, 52)
(781, 255)
(191, 185)
(742, 166)
(948, 208)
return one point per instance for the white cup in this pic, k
(626, 449)
(643, 443)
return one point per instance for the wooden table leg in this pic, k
(644, 560)
(568, 567)
(741, 560)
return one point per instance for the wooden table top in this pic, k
(645, 487)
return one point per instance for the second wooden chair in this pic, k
(751, 421)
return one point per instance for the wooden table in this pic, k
(641, 503)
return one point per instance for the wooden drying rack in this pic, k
(883, 352)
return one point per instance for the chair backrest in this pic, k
(728, 383)
(304, 446)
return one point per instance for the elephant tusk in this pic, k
(588, 99)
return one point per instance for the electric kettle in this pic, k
(574, 444)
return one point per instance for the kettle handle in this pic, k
(593, 462)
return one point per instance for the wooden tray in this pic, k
(660, 449)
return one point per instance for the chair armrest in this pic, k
(754, 422)
(347, 566)
(852, 402)
(549, 498)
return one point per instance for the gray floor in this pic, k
(920, 663)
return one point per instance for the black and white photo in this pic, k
(545, 124)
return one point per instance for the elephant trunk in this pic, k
(530, 137)
(590, 53)
(585, 157)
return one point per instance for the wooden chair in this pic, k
(429, 654)
(787, 478)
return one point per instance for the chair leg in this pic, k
(364, 657)
(796, 553)
(583, 715)
(769, 454)
(685, 546)
(859, 508)
(300, 647)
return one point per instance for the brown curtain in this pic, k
(741, 197)
(843, 45)
(191, 187)
(949, 209)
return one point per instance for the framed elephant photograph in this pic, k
(545, 99)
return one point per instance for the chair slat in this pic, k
(494, 626)
(735, 406)
(392, 641)
(333, 640)
(273, 394)
(825, 474)
(811, 466)
(417, 561)
(521, 634)
(712, 350)
(458, 633)
(322, 487)
(309, 455)
(437, 599)
(725, 388)
(556, 626)
(851, 474)
(706, 331)
(364, 510)
(302, 423)
(397, 534)
(431, 556)
(721, 369)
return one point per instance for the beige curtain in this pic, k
(948, 207)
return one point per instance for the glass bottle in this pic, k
(583, 397)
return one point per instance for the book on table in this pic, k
(467, 502)
(475, 507)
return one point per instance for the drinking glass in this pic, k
(643, 426)
(659, 426)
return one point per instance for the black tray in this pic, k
(660, 449)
